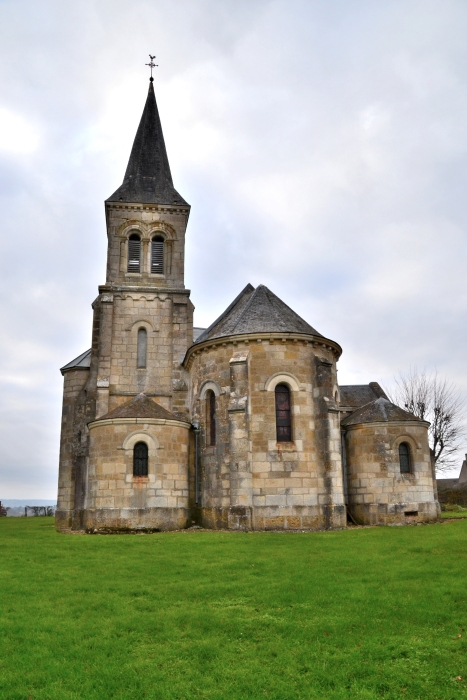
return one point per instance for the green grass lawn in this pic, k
(362, 614)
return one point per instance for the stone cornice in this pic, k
(313, 340)
(378, 424)
(137, 421)
(138, 206)
(74, 369)
(133, 289)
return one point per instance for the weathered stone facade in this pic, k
(116, 499)
(250, 479)
(377, 491)
(163, 426)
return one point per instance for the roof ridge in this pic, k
(246, 307)
(257, 311)
(140, 406)
(220, 318)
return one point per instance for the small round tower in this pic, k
(138, 469)
(388, 466)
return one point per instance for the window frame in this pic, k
(157, 238)
(211, 406)
(141, 348)
(131, 254)
(142, 458)
(408, 456)
(284, 421)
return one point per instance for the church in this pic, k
(239, 426)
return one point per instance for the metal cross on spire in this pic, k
(151, 65)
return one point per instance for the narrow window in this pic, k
(210, 418)
(283, 414)
(404, 458)
(157, 255)
(142, 348)
(140, 459)
(134, 253)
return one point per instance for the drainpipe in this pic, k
(195, 426)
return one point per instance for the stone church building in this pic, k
(241, 425)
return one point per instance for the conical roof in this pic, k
(379, 411)
(139, 407)
(257, 311)
(147, 177)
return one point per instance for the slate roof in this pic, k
(197, 332)
(139, 407)
(256, 311)
(147, 177)
(356, 395)
(82, 361)
(379, 411)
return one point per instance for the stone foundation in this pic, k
(395, 513)
(114, 520)
(274, 518)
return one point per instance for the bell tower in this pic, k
(143, 315)
(128, 395)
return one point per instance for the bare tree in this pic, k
(438, 401)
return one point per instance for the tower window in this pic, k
(405, 461)
(157, 255)
(283, 414)
(140, 459)
(134, 253)
(210, 418)
(142, 348)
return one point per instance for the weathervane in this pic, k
(151, 65)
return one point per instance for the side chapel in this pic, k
(241, 425)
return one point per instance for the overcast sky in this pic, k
(322, 145)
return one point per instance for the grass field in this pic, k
(362, 614)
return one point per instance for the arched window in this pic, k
(210, 418)
(283, 414)
(140, 459)
(142, 348)
(405, 460)
(134, 253)
(157, 255)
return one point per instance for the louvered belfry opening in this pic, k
(404, 458)
(140, 459)
(134, 253)
(142, 348)
(283, 414)
(157, 255)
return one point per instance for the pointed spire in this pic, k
(147, 177)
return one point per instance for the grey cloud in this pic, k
(321, 144)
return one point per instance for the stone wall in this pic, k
(158, 303)
(377, 491)
(147, 220)
(248, 478)
(73, 447)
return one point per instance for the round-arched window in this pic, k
(405, 461)
(142, 347)
(283, 413)
(210, 418)
(134, 253)
(157, 255)
(140, 459)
